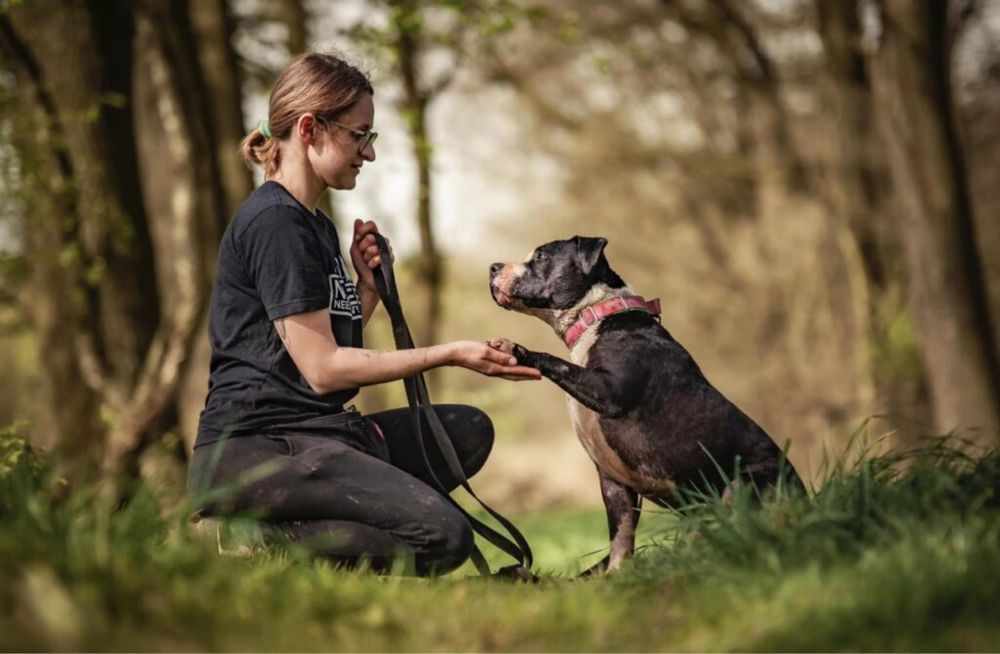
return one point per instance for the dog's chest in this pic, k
(587, 423)
(588, 430)
(595, 441)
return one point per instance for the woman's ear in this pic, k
(305, 128)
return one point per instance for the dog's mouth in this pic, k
(501, 297)
(503, 279)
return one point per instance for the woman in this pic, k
(287, 355)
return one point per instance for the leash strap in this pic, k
(420, 406)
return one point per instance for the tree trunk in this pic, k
(49, 297)
(292, 14)
(856, 191)
(213, 27)
(117, 322)
(183, 121)
(912, 83)
(430, 267)
(108, 322)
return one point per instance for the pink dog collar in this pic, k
(600, 311)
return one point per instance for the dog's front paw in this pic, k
(524, 356)
(501, 344)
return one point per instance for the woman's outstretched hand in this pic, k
(364, 253)
(490, 361)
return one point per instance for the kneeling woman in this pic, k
(286, 333)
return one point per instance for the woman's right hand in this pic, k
(490, 361)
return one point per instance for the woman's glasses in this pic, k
(363, 138)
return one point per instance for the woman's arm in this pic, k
(328, 367)
(369, 300)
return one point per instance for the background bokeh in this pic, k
(809, 186)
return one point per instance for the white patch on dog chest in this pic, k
(588, 429)
(587, 422)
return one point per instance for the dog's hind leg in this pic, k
(777, 473)
(774, 474)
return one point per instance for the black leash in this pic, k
(420, 405)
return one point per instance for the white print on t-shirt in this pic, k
(343, 294)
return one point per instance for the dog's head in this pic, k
(555, 277)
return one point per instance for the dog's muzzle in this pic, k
(502, 278)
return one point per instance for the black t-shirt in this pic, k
(276, 259)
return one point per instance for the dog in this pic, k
(647, 416)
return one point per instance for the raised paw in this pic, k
(501, 344)
(524, 356)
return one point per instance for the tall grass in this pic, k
(893, 553)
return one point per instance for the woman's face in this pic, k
(335, 155)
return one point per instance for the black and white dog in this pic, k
(640, 405)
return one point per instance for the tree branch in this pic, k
(172, 341)
(748, 38)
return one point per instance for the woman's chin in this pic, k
(344, 184)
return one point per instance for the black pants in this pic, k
(341, 489)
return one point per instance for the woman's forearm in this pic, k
(328, 367)
(351, 367)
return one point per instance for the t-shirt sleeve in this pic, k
(284, 258)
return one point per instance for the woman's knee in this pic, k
(480, 435)
(448, 547)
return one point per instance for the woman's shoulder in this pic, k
(268, 209)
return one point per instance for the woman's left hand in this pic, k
(364, 253)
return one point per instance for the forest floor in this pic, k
(889, 553)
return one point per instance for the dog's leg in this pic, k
(623, 508)
(608, 394)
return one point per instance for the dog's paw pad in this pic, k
(501, 344)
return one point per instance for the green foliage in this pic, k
(14, 452)
(108, 99)
(895, 553)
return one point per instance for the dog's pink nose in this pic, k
(496, 268)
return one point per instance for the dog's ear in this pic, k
(588, 251)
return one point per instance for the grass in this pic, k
(891, 554)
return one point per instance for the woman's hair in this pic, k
(324, 84)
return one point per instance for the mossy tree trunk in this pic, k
(124, 199)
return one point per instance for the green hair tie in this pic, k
(264, 129)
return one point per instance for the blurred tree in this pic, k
(295, 18)
(744, 75)
(912, 80)
(407, 43)
(421, 41)
(124, 192)
(856, 182)
(733, 29)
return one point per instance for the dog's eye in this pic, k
(541, 257)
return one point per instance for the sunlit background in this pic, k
(818, 219)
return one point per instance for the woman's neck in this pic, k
(301, 184)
